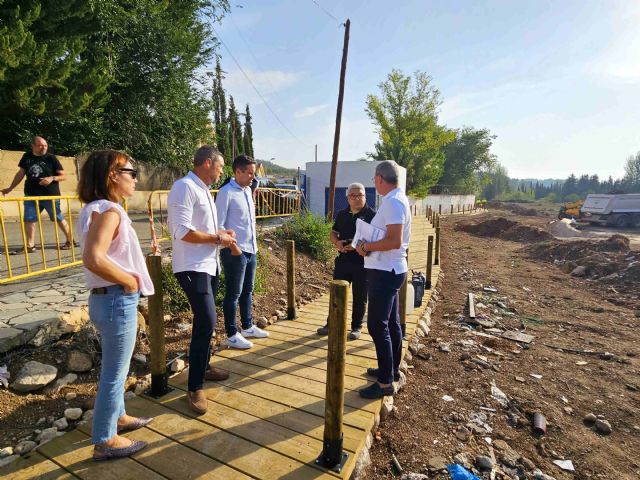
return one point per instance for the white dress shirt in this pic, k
(237, 212)
(191, 208)
(394, 210)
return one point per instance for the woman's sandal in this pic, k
(101, 452)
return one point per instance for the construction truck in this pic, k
(621, 210)
(570, 210)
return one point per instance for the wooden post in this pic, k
(463, 209)
(452, 209)
(291, 280)
(336, 136)
(429, 261)
(333, 456)
(436, 260)
(159, 377)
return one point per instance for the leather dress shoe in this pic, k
(214, 374)
(197, 401)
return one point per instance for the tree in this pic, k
(47, 69)
(220, 113)
(467, 158)
(632, 173)
(570, 185)
(405, 114)
(109, 73)
(235, 130)
(247, 138)
(498, 183)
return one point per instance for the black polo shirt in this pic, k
(345, 226)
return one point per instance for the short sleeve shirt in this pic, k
(394, 210)
(36, 168)
(345, 227)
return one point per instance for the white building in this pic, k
(318, 175)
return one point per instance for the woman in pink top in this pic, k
(116, 273)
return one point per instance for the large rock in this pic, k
(33, 376)
(79, 361)
(73, 413)
(59, 383)
(24, 447)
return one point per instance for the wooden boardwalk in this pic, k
(265, 422)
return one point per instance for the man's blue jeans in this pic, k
(239, 275)
(115, 315)
(383, 321)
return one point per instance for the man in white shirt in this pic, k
(237, 212)
(196, 238)
(387, 271)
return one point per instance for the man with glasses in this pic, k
(349, 265)
(43, 172)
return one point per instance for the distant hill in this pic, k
(275, 169)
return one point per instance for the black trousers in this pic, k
(200, 289)
(356, 275)
(383, 321)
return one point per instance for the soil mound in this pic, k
(506, 229)
(609, 260)
(526, 212)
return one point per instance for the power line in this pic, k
(327, 12)
(257, 91)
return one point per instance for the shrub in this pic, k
(175, 301)
(311, 235)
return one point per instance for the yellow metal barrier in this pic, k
(270, 202)
(15, 268)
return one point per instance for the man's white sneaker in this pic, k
(238, 341)
(255, 332)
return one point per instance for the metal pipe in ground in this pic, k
(333, 456)
(291, 280)
(159, 375)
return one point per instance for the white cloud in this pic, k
(267, 82)
(310, 111)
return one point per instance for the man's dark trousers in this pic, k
(200, 289)
(383, 321)
(357, 276)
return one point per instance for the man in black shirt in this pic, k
(43, 172)
(349, 265)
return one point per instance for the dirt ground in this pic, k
(20, 413)
(583, 359)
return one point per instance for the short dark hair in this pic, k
(204, 153)
(242, 161)
(95, 176)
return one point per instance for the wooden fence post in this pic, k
(429, 262)
(452, 209)
(159, 377)
(436, 260)
(291, 280)
(333, 456)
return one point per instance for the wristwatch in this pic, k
(54, 178)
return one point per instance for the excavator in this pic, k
(570, 210)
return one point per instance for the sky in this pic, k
(557, 82)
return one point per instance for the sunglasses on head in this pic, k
(131, 171)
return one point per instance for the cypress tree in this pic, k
(247, 138)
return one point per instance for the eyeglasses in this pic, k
(353, 195)
(131, 171)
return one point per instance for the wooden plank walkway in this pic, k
(265, 422)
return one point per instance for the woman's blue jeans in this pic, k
(115, 316)
(239, 275)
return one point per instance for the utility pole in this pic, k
(316, 152)
(336, 138)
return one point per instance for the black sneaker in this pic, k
(354, 334)
(373, 372)
(376, 391)
(323, 331)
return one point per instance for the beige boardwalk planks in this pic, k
(34, 465)
(74, 451)
(290, 397)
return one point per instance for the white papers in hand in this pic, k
(366, 232)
